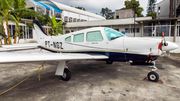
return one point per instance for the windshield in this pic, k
(112, 34)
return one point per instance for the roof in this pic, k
(160, 19)
(75, 10)
(47, 6)
(107, 22)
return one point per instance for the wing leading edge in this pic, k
(38, 57)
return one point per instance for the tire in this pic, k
(153, 76)
(66, 75)
(109, 62)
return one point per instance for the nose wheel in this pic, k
(153, 76)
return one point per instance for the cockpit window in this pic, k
(68, 39)
(94, 36)
(112, 34)
(78, 37)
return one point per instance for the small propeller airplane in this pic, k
(98, 43)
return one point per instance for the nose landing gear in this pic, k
(153, 76)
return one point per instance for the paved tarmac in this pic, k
(92, 81)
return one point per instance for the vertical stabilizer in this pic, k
(40, 33)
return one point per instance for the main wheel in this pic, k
(109, 62)
(66, 75)
(153, 76)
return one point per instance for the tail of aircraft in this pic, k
(40, 33)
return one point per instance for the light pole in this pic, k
(134, 5)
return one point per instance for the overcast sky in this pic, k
(95, 6)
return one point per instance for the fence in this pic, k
(156, 31)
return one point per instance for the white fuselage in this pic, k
(101, 40)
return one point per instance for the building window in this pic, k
(127, 30)
(42, 10)
(70, 19)
(78, 20)
(74, 20)
(117, 29)
(94, 36)
(78, 37)
(57, 14)
(159, 10)
(66, 19)
(117, 16)
(30, 33)
(137, 30)
(22, 30)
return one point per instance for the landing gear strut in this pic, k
(153, 76)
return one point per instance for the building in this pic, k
(61, 11)
(124, 13)
(123, 25)
(168, 9)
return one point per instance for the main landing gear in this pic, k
(63, 71)
(66, 75)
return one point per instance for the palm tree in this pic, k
(57, 27)
(5, 6)
(19, 12)
(2, 31)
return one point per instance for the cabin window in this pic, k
(68, 39)
(78, 37)
(112, 34)
(94, 36)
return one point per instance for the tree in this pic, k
(19, 12)
(107, 13)
(82, 8)
(57, 27)
(6, 6)
(138, 10)
(151, 8)
(153, 14)
(45, 20)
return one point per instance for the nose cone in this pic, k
(170, 46)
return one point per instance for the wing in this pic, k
(35, 57)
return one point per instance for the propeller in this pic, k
(165, 43)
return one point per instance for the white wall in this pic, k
(164, 9)
(78, 16)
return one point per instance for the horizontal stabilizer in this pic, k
(26, 45)
(18, 47)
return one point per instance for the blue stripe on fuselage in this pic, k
(113, 56)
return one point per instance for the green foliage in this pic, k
(138, 10)
(19, 12)
(151, 7)
(19, 4)
(81, 8)
(107, 13)
(45, 20)
(153, 14)
(57, 27)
